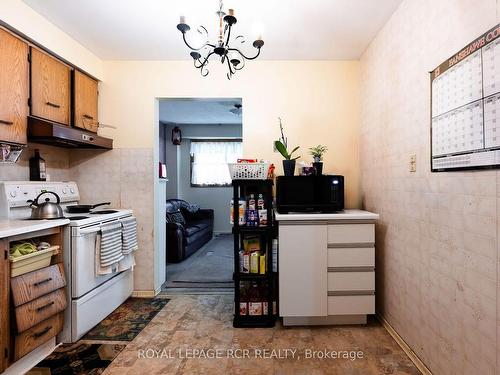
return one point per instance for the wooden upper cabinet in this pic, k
(14, 88)
(86, 115)
(50, 88)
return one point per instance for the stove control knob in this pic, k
(65, 191)
(72, 191)
(13, 194)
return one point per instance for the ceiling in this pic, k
(291, 29)
(199, 111)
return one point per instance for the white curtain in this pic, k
(210, 158)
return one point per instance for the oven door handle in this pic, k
(89, 230)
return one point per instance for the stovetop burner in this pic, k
(103, 212)
(78, 217)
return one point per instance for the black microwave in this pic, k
(323, 193)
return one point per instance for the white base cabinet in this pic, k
(326, 267)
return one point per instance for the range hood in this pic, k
(50, 133)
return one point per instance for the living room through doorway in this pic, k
(200, 136)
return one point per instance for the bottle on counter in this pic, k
(254, 300)
(241, 212)
(38, 170)
(243, 300)
(260, 202)
(251, 202)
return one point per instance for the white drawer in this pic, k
(351, 281)
(351, 233)
(351, 305)
(351, 257)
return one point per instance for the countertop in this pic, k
(9, 228)
(343, 215)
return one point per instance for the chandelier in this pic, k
(233, 57)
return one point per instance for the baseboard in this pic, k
(146, 293)
(406, 348)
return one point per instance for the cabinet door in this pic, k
(50, 88)
(303, 270)
(4, 305)
(85, 102)
(14, 88)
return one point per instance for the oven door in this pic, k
(83, 258)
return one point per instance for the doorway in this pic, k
(198, 138)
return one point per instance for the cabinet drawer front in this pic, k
(351, 233)
(351, 281)
(34, 284)
(351, 305)
(37, 335)
(351, 257)
(32, 313)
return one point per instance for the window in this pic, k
(209, 160)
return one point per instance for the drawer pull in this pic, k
(6, 122)
(45, 281)
(38, 309)
(50, 104)
(88, 117)
(37, 335)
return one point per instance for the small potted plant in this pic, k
(317, 153)
(282, 147)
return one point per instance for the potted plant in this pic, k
(282, 147)
(317, 153)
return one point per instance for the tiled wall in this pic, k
(437, 245)
(56, 159)
(123, 177)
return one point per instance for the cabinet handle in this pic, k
(88, 117)
(6, 122)
(53, 105)
(38, 309)
(37, 335)
(38, 283)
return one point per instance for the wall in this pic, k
(437, 242)
(26, 20)
(318, 100)
(216, 198)
(56, 160)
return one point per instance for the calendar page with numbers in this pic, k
(465, 107)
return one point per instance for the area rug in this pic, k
(126, 321)
(78, 359)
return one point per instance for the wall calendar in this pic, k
(465, 107)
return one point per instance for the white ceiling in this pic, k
(291, 29)
(199, 111)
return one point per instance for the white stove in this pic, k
(92, 296)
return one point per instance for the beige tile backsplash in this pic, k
(437, 245)
(56, 159)
(123, 177)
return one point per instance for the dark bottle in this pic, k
(38, 171)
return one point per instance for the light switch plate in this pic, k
(412, 165)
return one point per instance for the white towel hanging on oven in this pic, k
(129, 243)
(110, 247)
(129, 235)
